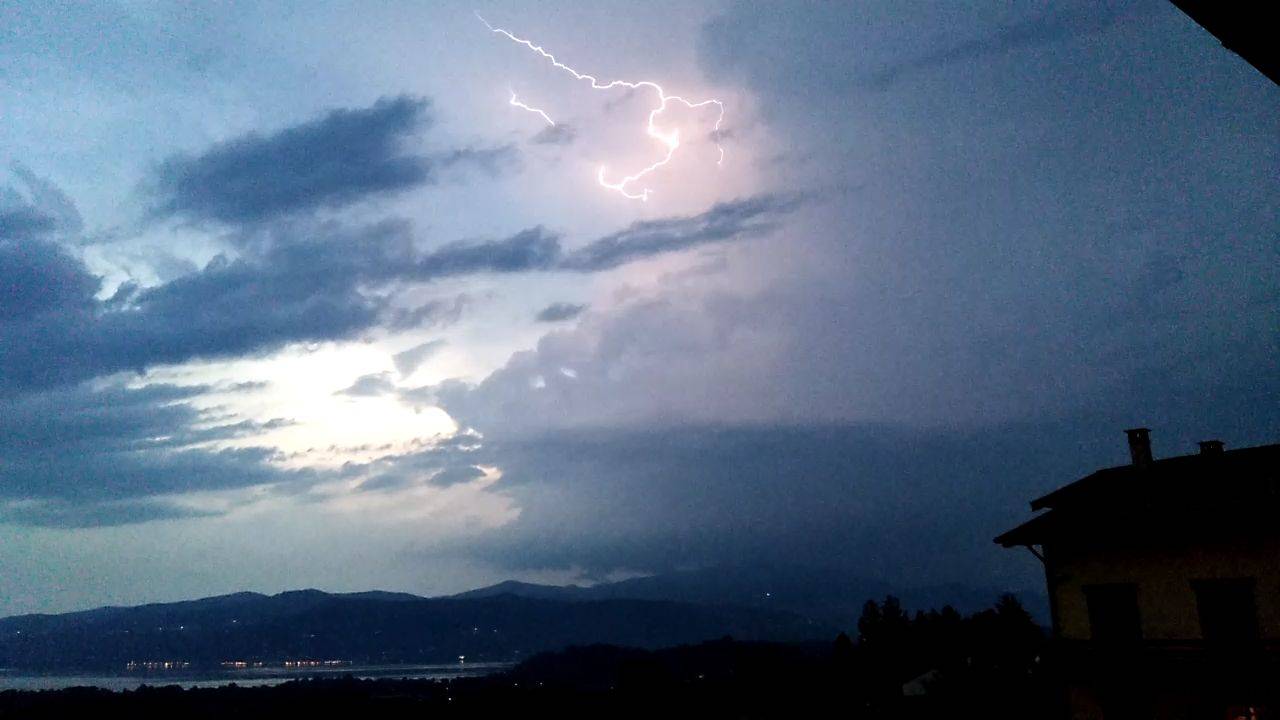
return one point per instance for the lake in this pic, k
(244, 677)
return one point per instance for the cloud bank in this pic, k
(347, 155)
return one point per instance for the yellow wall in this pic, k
(1166, 600)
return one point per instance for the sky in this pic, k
(339, 295)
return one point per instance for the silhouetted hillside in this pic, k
(371, 628)
(534, 590)
(823, 594)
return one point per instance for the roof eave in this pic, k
(1030, 532)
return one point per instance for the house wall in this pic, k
(1163, 575)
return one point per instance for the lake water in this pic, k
(244, 677)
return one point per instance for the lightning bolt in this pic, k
(515, 101)
(669, 138)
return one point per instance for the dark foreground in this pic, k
(713, 680)
(984, 665)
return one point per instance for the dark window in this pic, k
(1228, 612)
(1113, 612)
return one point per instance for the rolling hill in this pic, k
(372, 628)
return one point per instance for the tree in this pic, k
(870, 622)
(883, 626)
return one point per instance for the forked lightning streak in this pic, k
(669, 138)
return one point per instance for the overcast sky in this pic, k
(339, 295)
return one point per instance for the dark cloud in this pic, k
(124, 295)
(1011, 287)
(720, 135)
(893, 502)
(372, 385)
(559, 312)
(24, 221)
(533, 249)
(679, 359)
(810, 48)
(641, 498)
(1024, 240)
(80, 456)
(39, 277)
(456, 475)
(558, 134)
(63, 514)
(442, 463)
(490, 160)
(295, 281)
(406, 472)
(1057, 23)
(303, 288)
(382, 483)
(537, 249)
(309, 284)
(431, 314)
(343, 157)
(904, 504)
(33, 207)
(737, 219)
(245, 386)
(421, 397)
(36, 274)
(408, 361)
(619, 99)
(188, 436)
(1069, 215)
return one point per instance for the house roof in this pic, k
(1244, 474)
(1241, 29)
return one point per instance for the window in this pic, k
(1113, 612)
(1228, 612)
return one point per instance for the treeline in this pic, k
(988, 658)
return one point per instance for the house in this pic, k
(1164, 583)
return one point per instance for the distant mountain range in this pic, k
(508, 621)
(821, 594)
(371, 627)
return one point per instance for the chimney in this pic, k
(1139, 446)
(1210, 447)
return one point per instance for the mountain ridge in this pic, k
(822, 594)
(360, 628)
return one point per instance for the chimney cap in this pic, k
(1210, 447)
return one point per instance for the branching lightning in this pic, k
(669, 138)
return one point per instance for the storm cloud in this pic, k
(407, 361)
(62, 514)
(342, 157)
(1007, 268)
(371, 385)
(558, 134)
(38, 277)
(952, 250)
(738, 219)
(894, 43)
(559, 312)
(433, 313)
(81, 456)
(32, 207)
(296, 281)
(1047, 26)
(894, 502)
